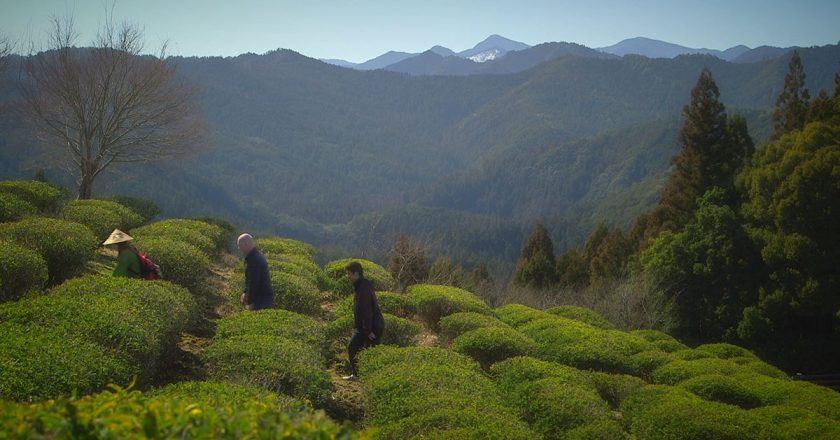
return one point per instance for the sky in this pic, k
(362, 29)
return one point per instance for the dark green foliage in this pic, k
(288, 246)
(89, 332)
(600, 430)
(14, 208)
(708, 270)
(723, 389)
(488, 345)
(65, 246)
(793, 103)
(572, 269)
(581, 314)
(146, 209)
(44, 196)
(680, 370)
(536, 266)
(183, 410)
(456, 324)
(295, 293)
(512, 374)
(273, 322)
(783, 391)
(689, 354)
(101, 216)
(614, 388)
(380, 278)
(435, 302)
(181, 263)
(518, 315)
(645, 362)
(413, 392)
(726, 351)
(21, 270)
(661, 340)
(553, 406)
(662, 412)
(799, 424)
(444, 272)
(275, 363)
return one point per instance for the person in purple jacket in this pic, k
(368, 321)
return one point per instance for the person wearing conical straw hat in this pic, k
(128, 263)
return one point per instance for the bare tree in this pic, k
(408, 263)
(108, 104)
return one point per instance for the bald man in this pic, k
(258, 291)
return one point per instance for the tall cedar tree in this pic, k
(713, 150)
(537, 266)
(792, 104)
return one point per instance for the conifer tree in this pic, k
(792, 104)
(537, 266)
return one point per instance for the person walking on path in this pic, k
(368, 321)
(128, 263)
(258, 293)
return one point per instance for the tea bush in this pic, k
(288, 246)
(275, 363)
(581, 314)
(102, 216)
(517, 315)
(604, 429)
(128, 320)
(456, 324)
(678, 371)
(434, 302)
(273, 322)
(180, 262)
(21, 270)
(177, 234)
(146, 209)
(614, 388)
(726, 351)
(645, 362)
(723, 389)
(184, 410)
(65, 246)
(14, 208)
(295, 293)
(690, 354)
(805, 395)
(397, 304)
(583, 346)
(512, 374)
(660, 340)
(435, 393)
(488, 345)
(665, 412)
(44, 196)
(553, 406)
(798, 424)
(377, 275)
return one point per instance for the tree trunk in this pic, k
(86, 185)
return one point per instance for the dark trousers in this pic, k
(358, 341)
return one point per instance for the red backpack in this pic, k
(148, 269)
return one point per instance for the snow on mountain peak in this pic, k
(487, 55)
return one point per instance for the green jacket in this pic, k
(128, 265)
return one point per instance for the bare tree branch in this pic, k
(109, 104)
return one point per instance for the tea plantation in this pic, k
(86, 355)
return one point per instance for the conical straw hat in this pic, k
(117, 237)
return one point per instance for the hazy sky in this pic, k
(359, 30)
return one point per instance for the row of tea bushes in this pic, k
(426, 392)
(200, 410)
(340, 285)
(21, 198)
(278, 350)
(182, 247)
(87, 333)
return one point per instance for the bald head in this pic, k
(245, 243)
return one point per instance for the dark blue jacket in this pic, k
(366, 313)
(258, 290)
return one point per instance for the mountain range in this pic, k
(488, 56)
(559, 132)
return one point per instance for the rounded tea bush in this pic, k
(723, 389)
(275, 363)
(65, 246)
(614, 388)
(645, 362)
(434, 302)
(180, 262)
(21, 270)
(397, 304)
(801, 394)
(398, 331)
(175, 234)
(665, 412)
(553, 406)
(280, 245)
(488, 345)
(44, 196)
(295, 293)
(202, 410)
(456, 324)
(603, 429)
(581, 314)
(797, 423)
(95, 212)
(146, 209)
(726, 351)
(660, 340)
(517, 315)
(273, 322)
(14, 208)
(690, 354)
(377, 274)
(677, 371)
(514, 373)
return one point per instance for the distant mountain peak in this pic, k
(442, 51)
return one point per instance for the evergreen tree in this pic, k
(537, 266)
(792, 104)
(444, 272)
